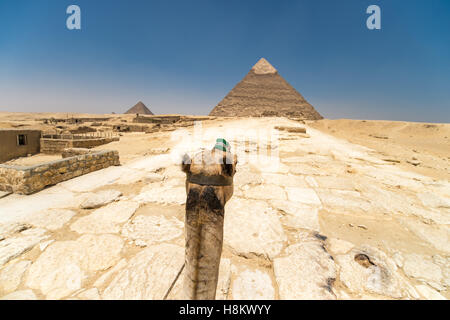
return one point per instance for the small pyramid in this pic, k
(263, 92)
(139, 108)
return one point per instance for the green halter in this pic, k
(222, 145)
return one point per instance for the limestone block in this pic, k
(253, 285)
(148, 275)
(303, 195)
(429, 293)
(339, 246)
(106, 219)
(51, 219)
(297, 215)
(306, 271)
(368, 269)
(423, 268)
(253, 228)
(20, 295)
(90, 294)
(13, 247)
(161, 194)
(99, 199)
(64, 265)
(153, 229)
(265, 192)
(284, 180)
(11, 275)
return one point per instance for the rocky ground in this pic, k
(423, 148)
(318, 218)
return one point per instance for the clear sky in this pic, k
(184, 56)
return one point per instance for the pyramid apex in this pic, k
(263, 67)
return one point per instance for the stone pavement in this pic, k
(321, 218)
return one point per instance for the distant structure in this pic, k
(56, 143)
(263, 92)
(17, 143)
(139, 108)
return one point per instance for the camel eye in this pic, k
(229, 164)
(227, 168)
(186, 163)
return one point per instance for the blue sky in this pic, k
(184, 56)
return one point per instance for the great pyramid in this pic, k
(263, 92)
(139, 108)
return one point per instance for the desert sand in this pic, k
(420, 147)
(337, 213)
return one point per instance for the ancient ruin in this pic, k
(74, 120)
(56, 143)
(30, 179)
(264, 93)
(77, 158)
(18, 143)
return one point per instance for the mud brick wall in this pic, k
(161, 120)
(57, 146)
(28, 180)
(9, 148)
(72, 152)
(131, 128)
(54, 146)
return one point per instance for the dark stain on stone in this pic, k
(320, 237)
(329, 285)
(364, 260)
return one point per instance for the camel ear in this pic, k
(229, 164)
(186, 163)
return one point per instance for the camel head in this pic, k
(209, 185)
(211, 168)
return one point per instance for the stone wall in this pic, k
(72, 152)
(131, 128)
(73, 120)
(157, 119)
(82, 129)
(56, 146)
(27, 180)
